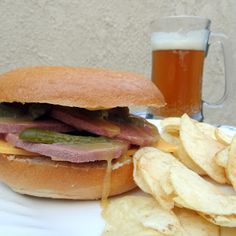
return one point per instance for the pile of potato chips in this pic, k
(191, 180)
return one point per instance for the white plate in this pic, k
(28, 216)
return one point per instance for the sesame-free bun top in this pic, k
(90, 88)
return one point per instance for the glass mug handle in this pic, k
(222, 39)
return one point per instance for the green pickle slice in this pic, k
(49, 137)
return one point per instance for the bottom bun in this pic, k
(42, 177)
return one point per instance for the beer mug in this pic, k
(179, 47)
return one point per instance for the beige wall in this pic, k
(106, 33)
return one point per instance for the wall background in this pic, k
(106, 33)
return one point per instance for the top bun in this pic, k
(89, 88)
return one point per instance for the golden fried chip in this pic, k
(139, 215)
(166, 147)
(187, 161)
(180, 203)
(137, 173)
(169, 138)
(231, 164)
(221, 220)
(201, 149)
(207, 129)
(198, 194)
(225, 231)
(222, 156)
(222, 137)
(194, 224)
(171, 124)
(152, 167)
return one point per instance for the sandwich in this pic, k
(68, 133)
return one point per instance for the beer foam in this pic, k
(195, 40)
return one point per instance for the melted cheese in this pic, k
(7, 148)
(106, 186)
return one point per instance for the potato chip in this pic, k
(221, 157)
(146, 181)
(170, 124)
(199, 194)
(139, 179)
(180, 203)
(173, 133)
(222, 137)
(139, 215)
(166, 147)
(224, 231)
(231, 164)
(194, 224)
(221, 220)
(227, 189)
(169, 138)
(187, 161)
(152, 167)
(143, 181)
(201, 149)
(207, 129)
(137, 174)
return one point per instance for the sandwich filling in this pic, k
(73, 134)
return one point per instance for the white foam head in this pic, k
(193, 40)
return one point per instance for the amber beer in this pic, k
(177, 69)
(178, 74)
(179, 47)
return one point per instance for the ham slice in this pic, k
(82, 122)
(136, 135)
(73, 153)
(141, 134)
(17, 125)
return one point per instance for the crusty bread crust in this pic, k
(78, 87)
(42, 177)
